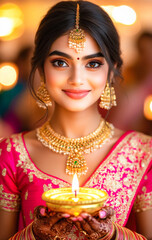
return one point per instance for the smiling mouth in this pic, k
(76, 93)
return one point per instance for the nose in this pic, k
(76, 77)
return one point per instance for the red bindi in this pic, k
(78, 58)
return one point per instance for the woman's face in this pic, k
(75, 81)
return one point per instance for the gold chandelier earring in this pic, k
(44, 97)
(108, 98)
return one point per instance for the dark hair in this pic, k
(60, 19)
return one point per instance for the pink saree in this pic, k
(126, 174)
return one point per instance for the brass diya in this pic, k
(87, 200)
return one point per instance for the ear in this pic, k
(41, 72)
(112, 79)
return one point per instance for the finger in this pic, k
(106, 212)
(40, 212)
(86, 227)
(102, 214)
(65, 215)
(54, 219)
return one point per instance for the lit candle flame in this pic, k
(75, 185)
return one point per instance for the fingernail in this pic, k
(102, 214)
(80, 218)
(84, 215)
(42, 211)
(74, 219)
(65, 215)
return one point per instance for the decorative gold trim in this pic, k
(26, 164)
(143, 202)
(9, 202)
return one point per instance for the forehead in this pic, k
(61, 44)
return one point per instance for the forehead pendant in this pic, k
(77, 37)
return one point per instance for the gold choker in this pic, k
(75, 147)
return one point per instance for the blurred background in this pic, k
(18, 23)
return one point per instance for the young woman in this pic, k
(77, 54)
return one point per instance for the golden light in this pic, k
(11, 21)
(6, 26)
(124, 14)
(148, 107)
(75, 185)
(8, 75)
(108, 9)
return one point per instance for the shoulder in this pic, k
(9, 142)
(11, 147)
(140, 140)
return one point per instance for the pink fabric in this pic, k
(121, 174)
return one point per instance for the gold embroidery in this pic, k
(143, 202)
(30, 177)
(26, 164)
(1, 188)
(146, 177)
(4, 172)
(0, 152)
(9, 202)
(47, 187)
(122, 172)
(26, 195)
(144, 189)
(8, 141)
(31, 215)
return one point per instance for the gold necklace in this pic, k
(75, 147)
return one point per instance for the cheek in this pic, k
(53, 78)
(98, 80)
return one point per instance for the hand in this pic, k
(48, 225)
(97, 225)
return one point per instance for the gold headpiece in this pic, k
(77, 37)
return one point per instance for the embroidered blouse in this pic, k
(125, 173)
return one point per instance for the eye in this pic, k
(94, 64)
(59, 63)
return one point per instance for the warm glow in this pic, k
(75, 184)
(6, 26)
(11, 21)
(148, 107)
(8, 75)
(109, 9)
(124, 14)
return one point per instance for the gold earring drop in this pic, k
(43, 95)
(108, 98)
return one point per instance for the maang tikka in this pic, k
(77, 37)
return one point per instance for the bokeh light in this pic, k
(8, 75)
(124, 14)
(148, 107)
(11, 21)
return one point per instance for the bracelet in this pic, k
(125, 233)
(109, 235)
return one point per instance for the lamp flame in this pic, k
(75, 185)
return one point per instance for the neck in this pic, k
(75, 124)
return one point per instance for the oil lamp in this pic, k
(75, 200)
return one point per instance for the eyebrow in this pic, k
(99, 54)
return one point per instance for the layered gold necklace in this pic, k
(75, 148)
